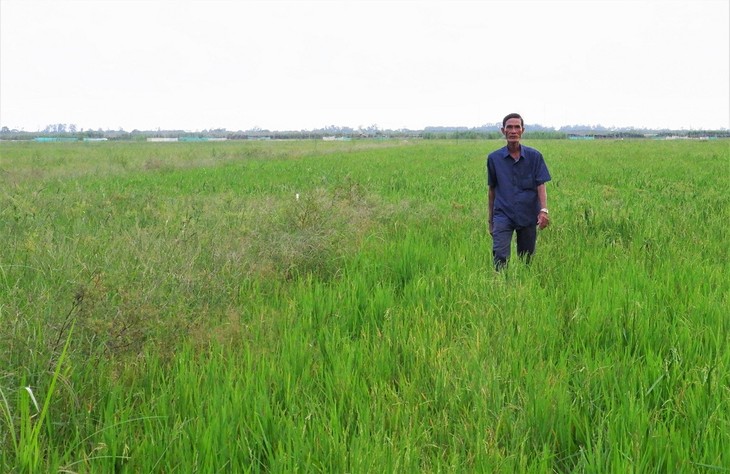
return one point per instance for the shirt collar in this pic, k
(505, 153)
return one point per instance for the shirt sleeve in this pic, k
(542, 175)
(491, 174)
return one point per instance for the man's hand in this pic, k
(543, 220)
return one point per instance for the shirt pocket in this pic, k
(526, 182)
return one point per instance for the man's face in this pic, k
(512, 130)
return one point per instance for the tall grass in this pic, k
(319, 306)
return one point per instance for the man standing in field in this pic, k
(516, 176)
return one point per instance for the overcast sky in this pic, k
(301, 65)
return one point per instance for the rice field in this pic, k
(310, 306)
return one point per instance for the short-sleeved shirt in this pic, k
(515, 184)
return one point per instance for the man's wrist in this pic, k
(544, 210)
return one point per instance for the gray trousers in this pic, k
(502, 231)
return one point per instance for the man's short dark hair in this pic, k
(511, 116)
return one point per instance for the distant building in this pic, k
(581, 137)
(56, 139)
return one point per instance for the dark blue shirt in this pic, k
(515, 184)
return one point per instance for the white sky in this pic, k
(301, 65)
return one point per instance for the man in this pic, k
(516, 176)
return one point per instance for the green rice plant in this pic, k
(222, 324)
(9, 422)
(26, 428)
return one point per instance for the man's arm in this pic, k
(543, 220)
(491, 209)
(542, 196)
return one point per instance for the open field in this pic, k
(313, 306)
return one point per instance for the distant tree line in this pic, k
(487, 131)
